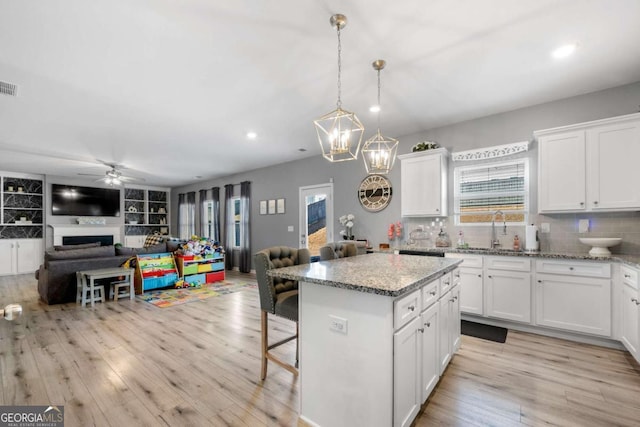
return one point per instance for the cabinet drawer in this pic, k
(469, 260)
(446, 283)
(406, 309)
(430, 294)
(588, 268)
(629, 276)
(508, 263)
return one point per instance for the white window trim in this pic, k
(456, 190)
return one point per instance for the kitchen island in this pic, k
(376, 332)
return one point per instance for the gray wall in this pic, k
(284, 180)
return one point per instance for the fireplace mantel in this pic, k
(60, 230)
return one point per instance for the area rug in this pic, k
(164, 298)
(486, 332)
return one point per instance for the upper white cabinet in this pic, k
(423, 189)
(588, 166)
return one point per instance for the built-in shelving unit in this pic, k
(146, 211)
(21, 207)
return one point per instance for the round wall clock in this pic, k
(375, 193)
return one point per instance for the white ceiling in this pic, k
(170, 88)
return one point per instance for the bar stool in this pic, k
(120, 289)
(83, 292)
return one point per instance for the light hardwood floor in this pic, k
(129, 364)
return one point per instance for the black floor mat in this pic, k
(486, 332)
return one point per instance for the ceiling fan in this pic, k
(114, 175)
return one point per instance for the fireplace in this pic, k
(62, 233)
(105, 240)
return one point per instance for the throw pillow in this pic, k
(78, 246)
(155, 249)
(153, 239)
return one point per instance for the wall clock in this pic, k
(374, 193)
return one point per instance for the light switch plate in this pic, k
(583, 226)
(290, 228)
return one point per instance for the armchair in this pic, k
(278, 297)
(337, 250)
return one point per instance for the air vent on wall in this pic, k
(8, 89)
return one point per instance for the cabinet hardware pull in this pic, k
(428, 324)
(437, 210)
(421, 330)
(490, 277)
(433, 293)
(595, 203)
(539, 281)
(455, 298)
(411, 308)
(627, 276)
(452, 300)
(479, 275)
(634, 300)
(581, 203)
(571, 268)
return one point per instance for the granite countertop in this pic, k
(381, 274)
(631, 260)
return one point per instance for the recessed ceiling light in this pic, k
(564, 51)
(252, 135)
(302, 150)
(374, 108)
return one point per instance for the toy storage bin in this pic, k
(196, 278)
(190, 269)
(215, 277)
(204, 268)
(218, 265)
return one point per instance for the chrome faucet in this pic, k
(494, 238)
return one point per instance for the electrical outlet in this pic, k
(290, 228)
(338, 324)
(545, 227)
(583, 226)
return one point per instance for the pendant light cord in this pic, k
(379, 106)
(339, 103)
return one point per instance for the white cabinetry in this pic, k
(18, 256)
(423, 176)
(471, 283)
(423, 343)
(508, 284)
(134, 241)
(630, 311)
(592, 161)
(574, 296)
(449, 326)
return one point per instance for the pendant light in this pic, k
(379, 152)
(339, 132)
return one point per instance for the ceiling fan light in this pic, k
(116, 181)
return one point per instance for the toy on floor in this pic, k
(182, 284)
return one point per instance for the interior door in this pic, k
(316, 217)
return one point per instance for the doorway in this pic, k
(316, 217)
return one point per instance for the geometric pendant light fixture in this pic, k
(379, 152)
(339, 132)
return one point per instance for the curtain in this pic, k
(204, 214)
(228, 226)
(190, 223)
(245, 227)
(182, 215)
(215, 197)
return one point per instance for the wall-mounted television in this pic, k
(84, 201)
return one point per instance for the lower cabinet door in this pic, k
(430, 361)
(444, 335)
(7, 257)
(406, 374)
(471, 294)
(29, 254)
(581, 304)
(630, 334)
(454, 328)
(509, 295)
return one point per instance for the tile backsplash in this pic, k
(563, 235)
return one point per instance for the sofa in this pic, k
(57, 276)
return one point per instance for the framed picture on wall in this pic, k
(280, 206)
(263, 207)
(272, 207)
